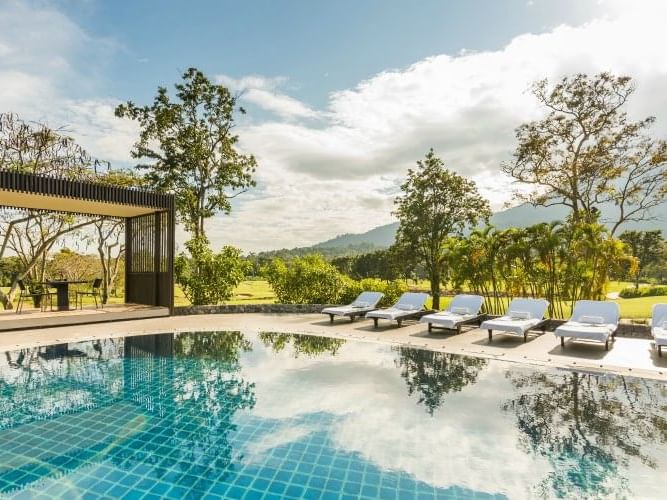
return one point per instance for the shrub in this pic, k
(313, 280)
(305, 280)
(647, 291)
(207, 277)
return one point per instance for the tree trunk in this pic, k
(435, 287)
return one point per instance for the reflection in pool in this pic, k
(275, 415)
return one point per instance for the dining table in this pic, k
(62, 291)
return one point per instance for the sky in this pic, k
(342, 97)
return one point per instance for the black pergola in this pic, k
(149, 225)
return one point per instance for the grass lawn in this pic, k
(260, 292)
(639, 307)
(248, 292)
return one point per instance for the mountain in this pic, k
(381, 237)
(519, 216)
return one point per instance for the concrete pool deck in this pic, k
(626, 356)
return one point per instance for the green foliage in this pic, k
(646, 247)
(313, 280)
(388, 264)
(586, 427)
(207, 277)
(562, 262)
(586, 152)
(309, 279)
(196, 156)
(310, 345)
(9, 267)
(392, 290)
(222, 346)
(73, 266)
(432, 375)
(647, 291)
(435, 204)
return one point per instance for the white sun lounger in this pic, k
(522, 316)
(365, 302)
(409, 305)
(462, 310)
(591, 320)
(659, 326)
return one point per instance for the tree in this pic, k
(435, 204)
(588, 427)
(38, 149)
(432, 375)
(586, 152)
(207, 277)
(109, 234)
(110, 237)
(191, 149)
(646, 247)
(310, 345)
(9, 267)
(72, 266)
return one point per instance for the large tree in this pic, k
(435, 204)
(31, 234)
(189, 148)
(586, 152)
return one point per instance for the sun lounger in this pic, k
(659, 326)
(522, 316)
(591, 320)
(409, 305)
(364, 303)
(462, 310)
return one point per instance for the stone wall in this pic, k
(250, 308)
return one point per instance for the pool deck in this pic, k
(626, 356)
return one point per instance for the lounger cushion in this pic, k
(391, 313)
(446, 319)
(519, 314)
(460, 310)
(580, 330)
(592, 320)
(366, 301)
(473, 303)
(659, 316)
(537, 308)
(659, 334)
(405, 307)
(508, 324)
(346, 310)
(608, 311)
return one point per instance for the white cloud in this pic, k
(334, 170)
(264, 92)
(47, 71)
(362, 405)
(466, 107)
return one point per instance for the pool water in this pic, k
(232, 415)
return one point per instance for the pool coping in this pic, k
(470, 343)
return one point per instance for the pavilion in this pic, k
(149, 237)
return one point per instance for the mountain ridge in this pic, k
(520, 216)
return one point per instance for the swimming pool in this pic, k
(269, 415)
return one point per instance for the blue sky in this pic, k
(321, 46)
(343, 96)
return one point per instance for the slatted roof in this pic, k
(38, 192)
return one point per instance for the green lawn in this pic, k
(260, 292)
(248, 292)
(639, 307)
